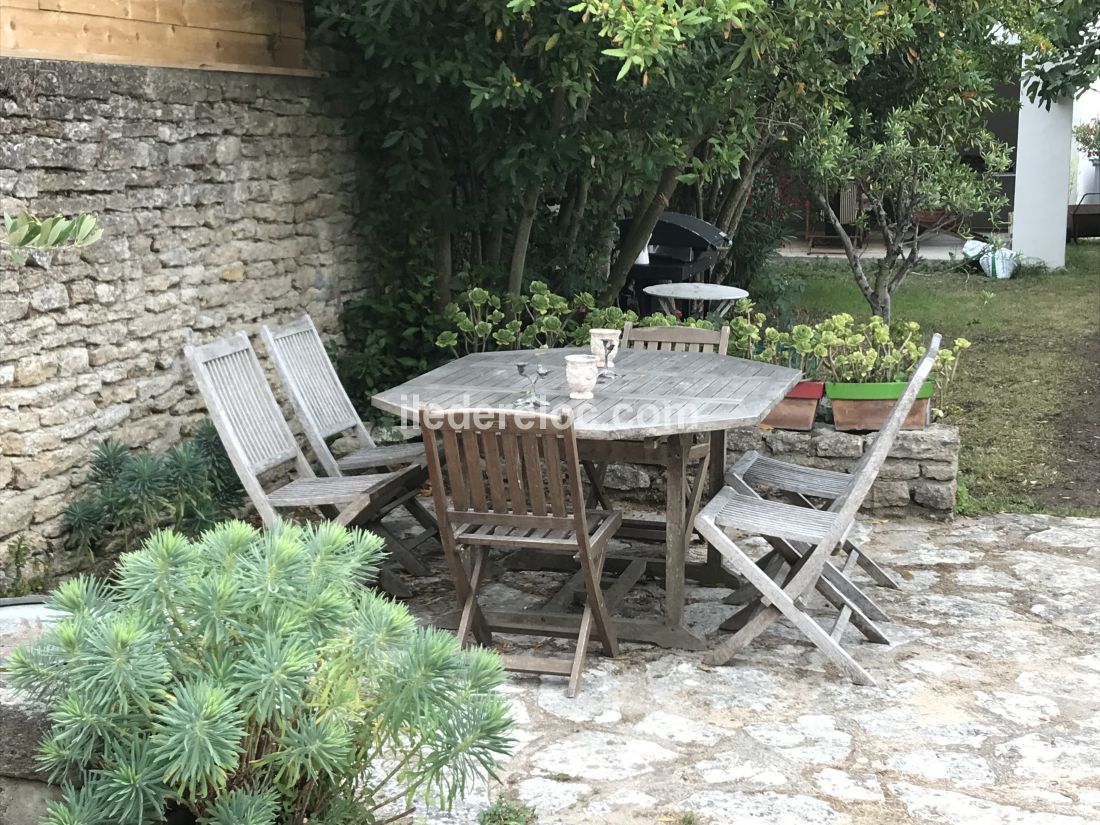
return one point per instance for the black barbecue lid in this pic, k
(678, 229)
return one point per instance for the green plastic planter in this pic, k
(867, 406)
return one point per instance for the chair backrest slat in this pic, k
(507, 468)
(241, 403)
(320, 400)
(676, 339)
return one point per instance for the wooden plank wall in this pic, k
(235, 35)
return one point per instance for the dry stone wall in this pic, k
(918, 478)
(226, 200)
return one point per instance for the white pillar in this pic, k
(1043, 148)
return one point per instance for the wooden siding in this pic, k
(244, 35)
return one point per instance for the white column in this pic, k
(1043, 148)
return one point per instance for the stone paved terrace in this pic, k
(988, 709)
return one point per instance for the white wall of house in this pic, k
(1043, 153)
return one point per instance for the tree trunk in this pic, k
(496, 245)
(574, 227)
(523, 238)
(854, 262)
(442, 252)
(641, 227)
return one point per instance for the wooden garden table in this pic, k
(651, 413)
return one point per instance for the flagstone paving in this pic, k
(987, 709)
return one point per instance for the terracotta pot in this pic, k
(867, 406)
(798, 408)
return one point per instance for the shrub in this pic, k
(248, 677)
(506, 811)
(390, 338)
(189, 489)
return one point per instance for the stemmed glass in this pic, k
(609, 347)
(530, 398)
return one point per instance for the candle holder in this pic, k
(530, 397)
(605, 346)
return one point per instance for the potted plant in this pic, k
(800, 349)
(867, 366)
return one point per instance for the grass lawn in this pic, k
(1025, 397)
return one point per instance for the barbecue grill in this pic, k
(681, 248)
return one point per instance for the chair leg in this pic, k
(400, 553)
(771, 563)
(596, 493)
(595, 603)
(781, 603)
(871, 567)
(471, 609)
(581, 653)
(422, 515)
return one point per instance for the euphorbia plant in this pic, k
(250, 678)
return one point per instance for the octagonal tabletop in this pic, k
(653, 393)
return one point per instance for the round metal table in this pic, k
(668, 294)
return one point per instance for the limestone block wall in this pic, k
(918, 478)
(226, 200)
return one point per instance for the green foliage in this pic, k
(505, 811)
(188, 489)
(25, 231)
(390, 337)
(21, 584)
(250, 677)
(484, 321)
(1087, 136)
(874, 351)
(1062, 49)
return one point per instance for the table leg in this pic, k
(676, 535)
(717, 473)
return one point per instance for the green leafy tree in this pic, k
(1062, 49)
(910, 133)
(249, 677)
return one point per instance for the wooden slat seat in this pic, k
(312, 492)
(753, 514)
(600, 522)
(387, 455)
(803, 538)
(761, 471)
(805, 484)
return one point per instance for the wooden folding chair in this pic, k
(257, 440)
(805, 538)
(324, 410)
(513, 482)
(763, 473)
(676, 339)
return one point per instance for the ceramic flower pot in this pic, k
(581, 373)
(798, 409)
(867, 406)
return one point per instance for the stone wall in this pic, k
(918, 478)
(226, 200)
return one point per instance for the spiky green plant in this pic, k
(189, 489)
(250, 677)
